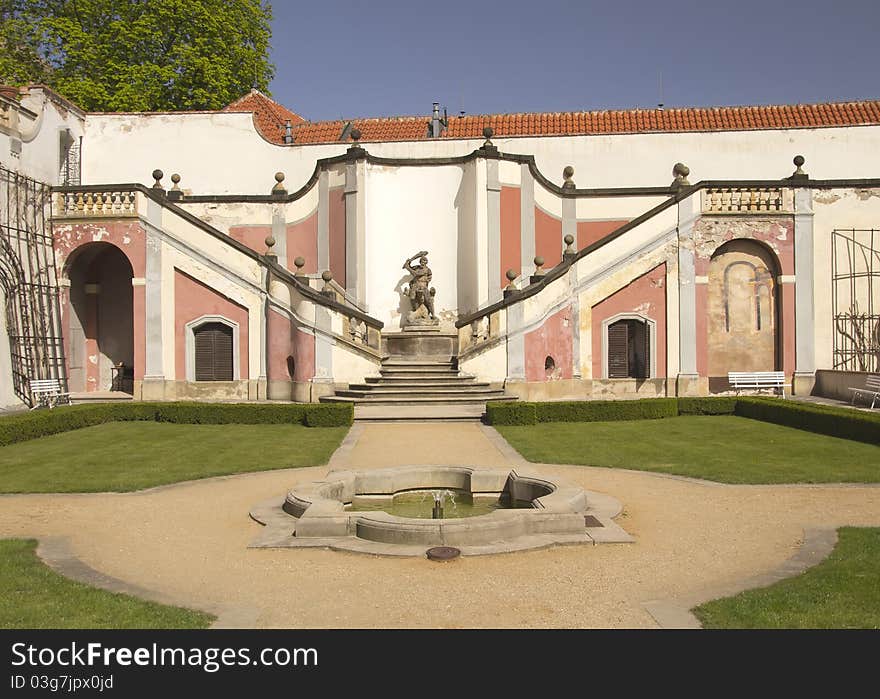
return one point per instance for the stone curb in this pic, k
(56, 552)
(676, 613)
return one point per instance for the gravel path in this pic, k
(188, 543)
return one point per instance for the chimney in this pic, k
(435, 121)
(288, 132)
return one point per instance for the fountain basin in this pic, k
(531, 511)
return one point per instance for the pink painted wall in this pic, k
(778, 237)
(511, 245)
(193, 299)
(553, 338)
(588, 232)
(646, 296)
(337, 235)
(548, 238)
(285, 340)
(302, 240)
(304, 353)
(252, 236)
(278, 337)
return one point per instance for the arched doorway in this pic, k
(100, 319)
(743, 311)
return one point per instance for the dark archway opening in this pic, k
(101, 320)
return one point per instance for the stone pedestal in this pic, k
(416, 342)
(691, 385)
(802, 383)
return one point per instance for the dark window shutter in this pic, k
(213, 350)
(646, 374)
(618, 335)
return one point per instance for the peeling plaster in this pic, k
(826, 197)
(865, 194)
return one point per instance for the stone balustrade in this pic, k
(96, 203)
(746, 200)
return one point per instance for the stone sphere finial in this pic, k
(270, 241)
(680, 171)
(355, 135)
(327, 275)
(569, 242)
(488, 132)
(157, 175)
(279, 187)
(539, 265)
(175, 178)
(798, 163)
(799, 160)
(567, 174)
(299, 263)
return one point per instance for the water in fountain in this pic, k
(420, 504)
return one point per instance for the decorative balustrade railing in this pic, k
(103, 203)
(746, 200)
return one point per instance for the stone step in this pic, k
(371, 393)
(416, 400)
(436, 411)
(426, 384)
(428, 374)
(419, 366)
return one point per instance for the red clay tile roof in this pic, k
(270, 117)
(571, 123)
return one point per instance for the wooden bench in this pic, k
(47, 393)
(757, 379)
(871, 388)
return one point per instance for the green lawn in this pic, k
(36, 597)
(716, 447)
(842, 592)
(124, 456)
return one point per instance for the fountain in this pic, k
(404, 510)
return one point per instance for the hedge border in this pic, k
(844, 423)
(22, 427)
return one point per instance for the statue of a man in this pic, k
(420, 293)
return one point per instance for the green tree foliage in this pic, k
(139, 55)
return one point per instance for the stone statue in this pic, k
(421, 293)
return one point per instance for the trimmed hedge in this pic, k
(722, 405)
(40, 423)
(511, 413)
(834, 422)
(606, 410)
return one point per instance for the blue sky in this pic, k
(384, 58)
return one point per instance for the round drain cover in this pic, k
(442, 553)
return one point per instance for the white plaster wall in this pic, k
(841, 209)
(490, 365)
(41, 139)
(411, 209)
(615, 207)
(349, 366)
(223, 153)
(214, 153)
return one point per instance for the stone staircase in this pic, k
(427, 387)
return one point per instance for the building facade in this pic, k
(250, 254)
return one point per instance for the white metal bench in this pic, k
(757, 379)
(47, 393)
(871, 388)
